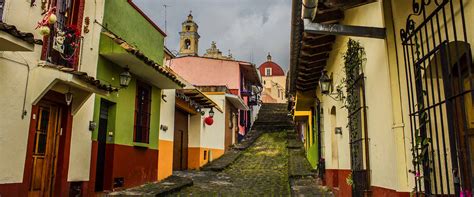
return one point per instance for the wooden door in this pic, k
(45, 150)
(180, 145)
(464, 120)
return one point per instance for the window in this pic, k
(187, 44)
(268, 71)
(188, 27)
(62, 45)
(142, 113)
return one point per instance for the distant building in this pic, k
(274, 82)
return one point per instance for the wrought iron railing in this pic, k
(439, 75)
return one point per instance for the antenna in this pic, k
(166, 20)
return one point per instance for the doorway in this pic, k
(46, 141)
(101, 164)
(180, 145)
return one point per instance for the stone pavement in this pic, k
(261, 170)
(269, 162)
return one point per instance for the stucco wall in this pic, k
(208, 72)
(378, 98)
(213, 136)
(125, 21)
(168, 110)
(13, 138)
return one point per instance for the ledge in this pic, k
(141, 145)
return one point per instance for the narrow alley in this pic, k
(265, 163)
(358, 98)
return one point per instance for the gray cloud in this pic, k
(249, 28)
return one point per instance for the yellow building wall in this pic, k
(165, 159)
(382, 144)
(272, 90)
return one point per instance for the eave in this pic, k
(124, 55)
(199, 97)
(11, 39)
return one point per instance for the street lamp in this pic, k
(125, 78)
(211, 113)
(68, 96)
(325, 83)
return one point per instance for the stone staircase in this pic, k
(273, 117)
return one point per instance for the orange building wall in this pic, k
(165, 159)
(196, 156)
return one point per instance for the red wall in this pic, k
(136, 165)
(336, 180)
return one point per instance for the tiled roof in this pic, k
(12, 30)
(134, 51)
(82, 76)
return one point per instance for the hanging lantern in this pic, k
(125, 78)
(44, 30)
(211, 113)
(52, 19)
(325, 83)
(209, 120)
(68, 96)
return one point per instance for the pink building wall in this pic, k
(208, 72)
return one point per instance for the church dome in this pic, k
(275, 69)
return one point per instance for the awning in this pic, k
(199, 98)
(125, 55)
(62, 79)
(11, 39)
(236, 101)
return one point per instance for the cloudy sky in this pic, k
(249, 28)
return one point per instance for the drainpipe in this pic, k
(25, 63)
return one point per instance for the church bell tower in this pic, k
(189, 38)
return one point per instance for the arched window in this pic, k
(187, 44)
(188, 28)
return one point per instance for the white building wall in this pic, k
(167, 112)
(14, 129)
(213, 136)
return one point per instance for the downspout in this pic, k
(25, 63)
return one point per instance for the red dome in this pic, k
(276, 69)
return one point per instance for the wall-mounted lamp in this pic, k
(68, 96)
(326, 85)
(211, 113)
(125, 78)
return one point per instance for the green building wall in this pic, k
(122, 125)
(123, 20)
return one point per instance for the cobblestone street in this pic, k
(260, 170)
